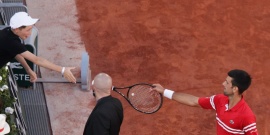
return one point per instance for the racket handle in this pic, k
(168, 93)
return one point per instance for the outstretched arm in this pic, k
(183, 98)
(45, 63)
(29, 71)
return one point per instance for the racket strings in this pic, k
(144, 99)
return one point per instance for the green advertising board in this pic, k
(20, 75)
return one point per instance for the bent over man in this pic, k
(11, 46)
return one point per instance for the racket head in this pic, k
(143, 99)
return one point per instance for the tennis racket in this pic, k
(141, 97)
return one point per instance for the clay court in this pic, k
(186, 46)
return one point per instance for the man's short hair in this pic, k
(240, 79)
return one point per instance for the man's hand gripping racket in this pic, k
(142, 97)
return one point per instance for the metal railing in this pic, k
(32, 117)
(9, 9)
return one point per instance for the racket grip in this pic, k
(168, 93)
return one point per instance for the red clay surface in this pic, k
(186, 46)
